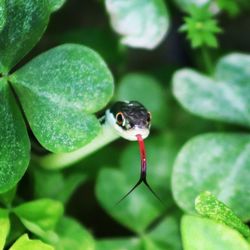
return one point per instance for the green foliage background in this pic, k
(62, 63)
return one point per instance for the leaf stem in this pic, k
(207, 60)
(62, 160)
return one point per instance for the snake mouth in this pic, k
(132, 133)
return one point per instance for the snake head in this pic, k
(129, 119)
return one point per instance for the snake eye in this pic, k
(149, 117)
(119, 118)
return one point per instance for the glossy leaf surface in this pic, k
(218, 163)
(24, 25)
(14, 141)
(64, 86)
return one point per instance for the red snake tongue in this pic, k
(142, 153)
(143, 171)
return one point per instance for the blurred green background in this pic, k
(98, 181)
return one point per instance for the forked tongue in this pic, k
(143, 175)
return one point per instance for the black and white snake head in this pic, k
(129, 119)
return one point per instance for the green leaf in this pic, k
(56, 4)
(207, 205)
(55, 184)
(14, 142)
(64, 86)
(201, 233)
(218, 163)
(141, 208)
(73, 236)
(148, 91)
(25, 243)
(4, 228)
(128, 20)
(221, 99)
(2, 14)
(40, 216)
(25, 23)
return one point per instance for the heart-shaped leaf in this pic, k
(222, 101)
(224, 98)
(2, 14)
(73, 236)
(25, 243)
(24, 25)
(14, 141)
(139, 209)
(147, 90)
(209, 235)
(128, 20)
(40, 216)
(59, 90)
(5, 227)
(218, 163)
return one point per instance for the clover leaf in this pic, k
(64, 85)
(215, 162)
(226, 97)
(128, 20)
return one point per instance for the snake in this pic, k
(131, 121)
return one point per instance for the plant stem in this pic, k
(207, 60)
(62, 160)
